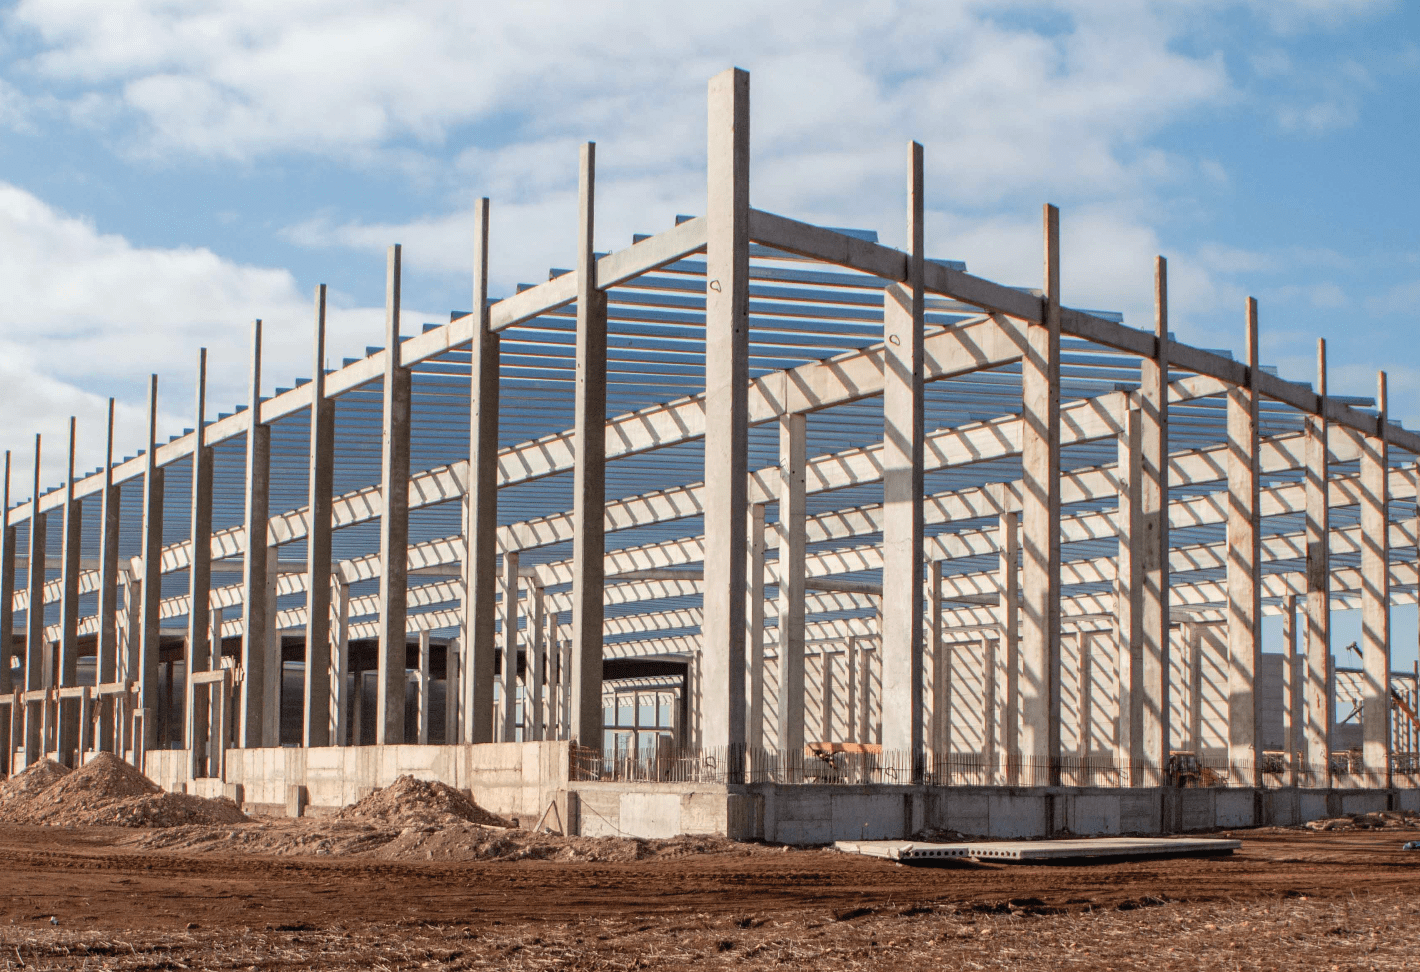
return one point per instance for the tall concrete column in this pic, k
(1316, 736)
(480, 505)
(1243, 581)
(1192, 634)
(422, 696)
(106, 663)
(199, 571)
(394, 519)
(1154, 537)
(1040, 528)
(903, 391)
(252, 719)
(850, 700)
(941, 664)
(1296, 697)
(508, 683)
(1375, 596)
(1006, 654)
(790, 531)
(826, 695)
(1128, 585)
(589, 474)
(865, 678)
(274, 665)
(537, 645)
(151, 591)
(340, 662)
(67, 741)
(7, 618)
(320, 488)
(754, 628)
(990, 725)
(1084, 646)
(727, 419)
(35, 647)
(452, 652)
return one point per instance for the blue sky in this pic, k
(169, 171)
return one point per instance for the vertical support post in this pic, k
(589, 474)
(315, 728)
(754, 628)
(865, 688)
(790, 568)
(423, 695)
(727, 418)
(7, 620)
(1316, 741)
(452, 652)
(1244, 562)
(1085, 645)
(1128, 584)
(251, 731)
(151, 591)
(1375, 596)
(990, 726)
(1154, 538)
(508, 684)
(199, 572)
(941, 664)
(1295, 701)
(340, 661)
(1192, 634)
(850, 699)
(274, 665)
(35, 647)
(67, 724)
(826, 696)
(480, 505)
(1040, 567)
(1006, 654)
(394, 519)
(106, 663)
(532, 683)
(903, 322)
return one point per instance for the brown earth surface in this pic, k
(1290, 899)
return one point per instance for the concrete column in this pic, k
(199, 572)
(394, 519)
(990, 725)
(452, 652)
(826, 696)
(508, 683)
(1040, 565)
(850, 701)
(480, 505)
(1243, 580)
(903, 323)
(274, 665)
(941, 664)
(589, 474)
(320, 484)
(106, 664)
(340, 662)
(1295, 697)
(1316, 735)
(790, 567)
(7, 618)
(532, 685)
(1154, 538)
(754, 628)
(67, 742)
(35, 647)
(1128, 585)
(865, 694)
(1193, 636)
(1375, 596)
(251, 728)
(1008, 624)
(357, 711)
(727, 420)
(422, 696)
(564, 650)
(1084, 645)
(151, 592)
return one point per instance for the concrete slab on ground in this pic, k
(1040, 850)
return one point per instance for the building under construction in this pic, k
(752, 527)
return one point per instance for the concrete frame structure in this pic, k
(1049, 571)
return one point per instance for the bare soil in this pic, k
(87, 897)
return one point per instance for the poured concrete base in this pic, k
(1040, 850)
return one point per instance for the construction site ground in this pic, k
(102, 897)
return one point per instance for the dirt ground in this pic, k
(89, 898)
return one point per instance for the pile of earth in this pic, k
(1382, 820)
(417, 820)
(104, 792)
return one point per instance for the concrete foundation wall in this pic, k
(512, 779)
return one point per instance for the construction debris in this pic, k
(105, 791)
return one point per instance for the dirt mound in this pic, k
(409, 801)
(35, 779)
(105, 791)
(1383, 820)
